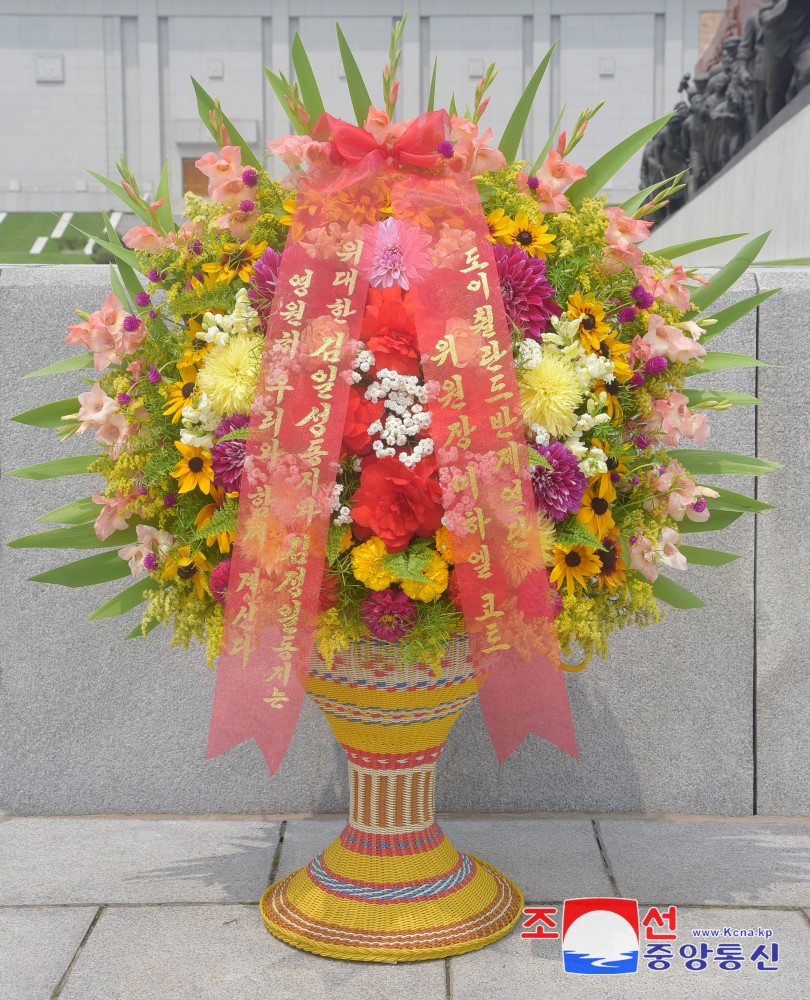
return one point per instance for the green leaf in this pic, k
(719, 519)
(432, 92)
(730, 315)
(641, 197)
(126, 600)
(412, 563)
(729, 500)
(134, 206)
(163, 214)
(119, 289)
(281, 93)
(574, 532)
(72, 466)
(72, 364)
(706, 557)
(310, 94)
(716, 361)
(703, 297)
(101, 568)
(513, 133)
(702, 462)
(76, 536)
(140, 630)
(358, 92)
(600, 172)
(76, 512)
(117, 249)
(49, 415)
(709, 398)
(127, 274)
(535, 458)
(205, 104)
(675, 595)
(223, 519)
(334, 542)
(451, 110)
(682, 249)
(549, 142)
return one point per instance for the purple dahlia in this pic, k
(388, 614)
(527, 295)
(262, 286)
(558, 490)
(228, 457)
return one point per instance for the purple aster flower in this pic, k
(263, 281)
(246, 206)
(124, 398)
(627, 314)
(388, 614)
(131, 324)
(143, 299)
(228, 457)
(170, 500)
(154, 375)
(218, 581)
(445, 149)
(249, 177)
(642, 297)
(150, 561)
(655, 366)
(558, 490)
(527, 296)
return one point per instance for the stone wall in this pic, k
(703, 714)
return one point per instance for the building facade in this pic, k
(84, 80)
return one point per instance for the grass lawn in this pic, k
(19, 230)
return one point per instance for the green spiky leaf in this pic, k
(75, 536)
(675, 595)
(574, 532)
(76, 512)
(142, 630)
(709, 398)
(49, 415)
(716, 361)
(703, 297)
(726, 317)
(719, 519)
(706, 557)
(135, 207)
(703, 462)
(101, 568)
(682, 249)
(207, 104)
(513, 133)
(729, 500)
(75, 363)
(432, 92)
(334, 542)
(310, 93)
(358, 92)
(163, 213)
(550, 141)
(126, 600)
(72, 466)
(280, 90)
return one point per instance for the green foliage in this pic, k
(412, 563)
(76, 512)
(72, 466)
(513, 133)
(77, 362)
(358, 92)
(126, 600)
(49, 415)
(706, 557)
(703, 297)
(675, 595)
(223, 519)
(310, 93)
(703, 462)
(100, 568)
(573, 532)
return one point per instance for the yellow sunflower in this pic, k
(180, 392)
(614, 349)
(187, 565)
(593, 326)
(594, 513)
(573, 565)
(611, 388)
(194, 469)
(603, 484)
(235, 261)
(223, 539)
(289, 211)
(502, 228)
(534, 237)
(197, 348)
(612, 573)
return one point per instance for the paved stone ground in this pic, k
(102, 908)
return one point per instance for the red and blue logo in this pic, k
(600, 936)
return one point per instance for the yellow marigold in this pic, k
(367, 564)
(444, 545)
(438, 576)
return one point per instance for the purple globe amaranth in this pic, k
(656, 365)
(228, 457)
(643, 298)
(627, 314)
(527, 296)
(262, 288)
(557, 491)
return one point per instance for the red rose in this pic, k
(395, 503)
(390, 332)
(360, 414)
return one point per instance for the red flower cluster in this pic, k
(389, 330)
(396, 503)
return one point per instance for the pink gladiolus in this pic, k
(102, 333)
(557, 173)
(135, 368)
(550, 199)
(113, 516)
(293, 150)
(642, 558)
(237, 223)
(155, 205)
(672, 342)
(473, 151)
(224, 173)
(682, 493)
(143, 238)
(623, 229)
(668, 289)
(95, 408)
(187, 233)
(673, 418)
(667, 552)
(150, 541)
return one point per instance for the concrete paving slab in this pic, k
(216, 952)
(548, 858)
(36, 947)
(70, 860)
(304, 839)
(526, 970)
(766, 864)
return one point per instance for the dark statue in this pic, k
(723, 109)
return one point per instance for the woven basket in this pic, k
(392, 887)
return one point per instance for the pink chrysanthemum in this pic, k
(262, 288)
(228, 457)
(527, 296)
(558, 490)
(388, 614)
(395, 253)
(218, 581)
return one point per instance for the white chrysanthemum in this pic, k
(550, 393)
(229, 372)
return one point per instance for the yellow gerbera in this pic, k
(367, 564)
(614, 349)
(194, 469)
(438, 577)
(197, 348)
(235, 261)
(593, 326)
(594, 513)
(180, 392)
(573, 566)
(534, 237)
(612, 573)
(187, 565)
(289, 211)
(502, 228)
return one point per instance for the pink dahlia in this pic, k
(395, 253)
(389, 614)
(558, 490)
(228, 457)
(527, 296)
(262, 288)
(218, 581)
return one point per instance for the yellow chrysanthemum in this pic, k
(594, 513)
(367, 564)
(190, 566)
(444, 545)
(573, 565)
(438, 576)
(502, 228)
(229, 372)
(533, 237)
(194, 469)
(593, 326)
(550, 393)
(547, 537)
(180, 392)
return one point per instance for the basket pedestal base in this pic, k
(401, 903)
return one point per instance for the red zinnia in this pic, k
(395, 503)
(390, 332)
